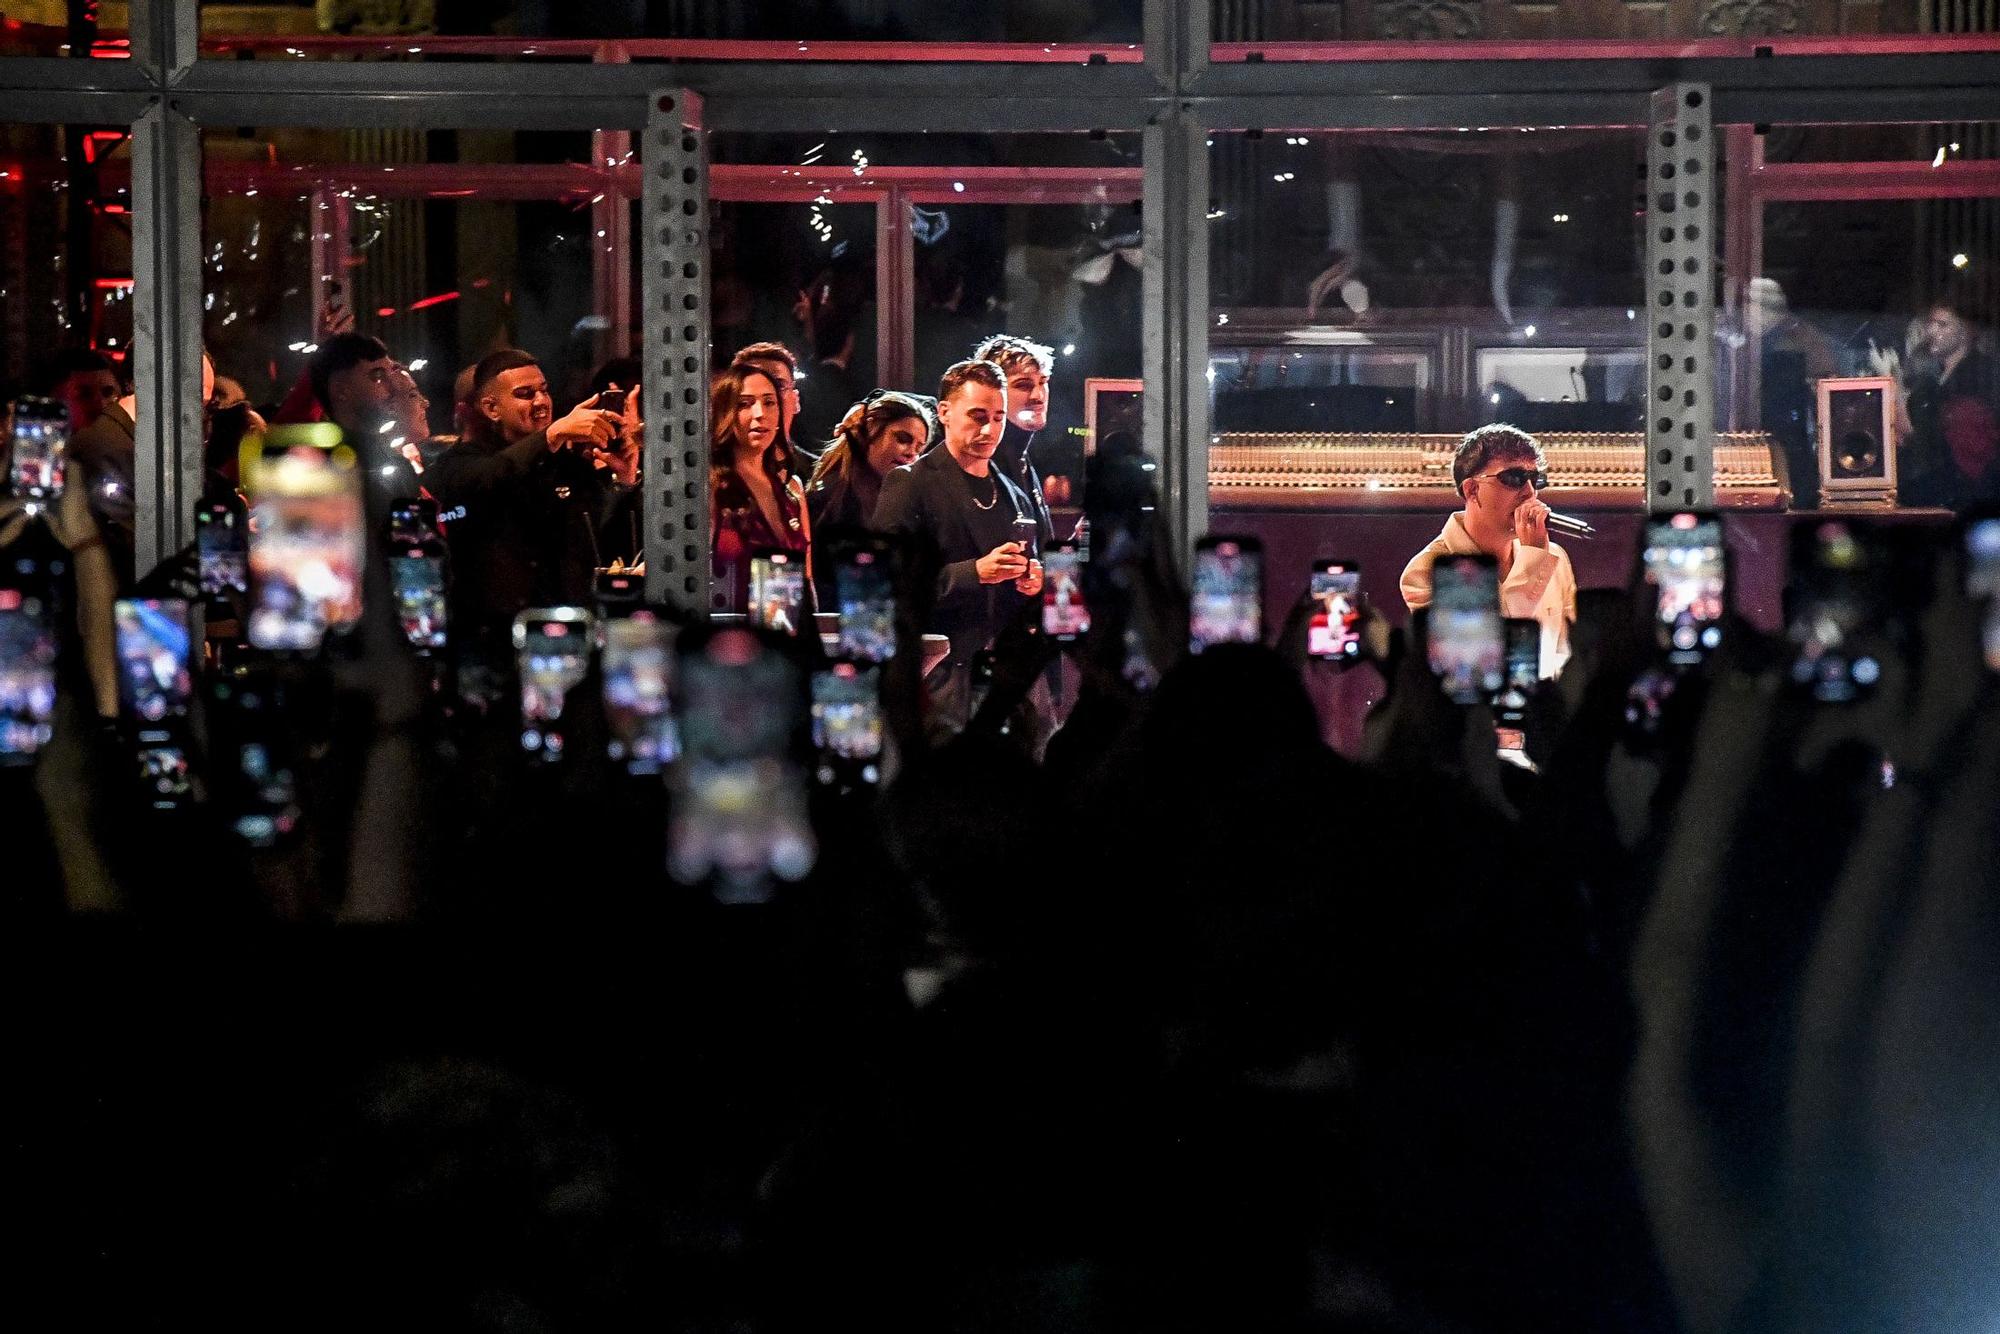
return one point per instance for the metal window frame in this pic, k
(1177, 90)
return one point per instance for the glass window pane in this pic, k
(1260, 24)
(1033, 235)
(443, 244)
(1383, 282)
(65, 253)
(331, 28)
(1374, 296)
(1877, 255)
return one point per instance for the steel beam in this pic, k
(165, 37)
(37, 90)
(809, 98)
(1175, 410)
(895, 293)
(166, 291)
(1680, 302)
(674, 253)
(1174, 275)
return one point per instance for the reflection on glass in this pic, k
(299, 30)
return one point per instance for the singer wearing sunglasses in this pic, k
(1498, 470)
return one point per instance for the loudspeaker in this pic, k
(1857, 441)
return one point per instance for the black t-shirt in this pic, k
(1954, 455)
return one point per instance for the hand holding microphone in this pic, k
(1566, 524)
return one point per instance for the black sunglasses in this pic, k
(1515, 478)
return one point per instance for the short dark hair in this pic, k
(495, 364)
(1486, 443)
(1008, 352)
(70, 361)
(963, 373)
(769, 352)
(339, 353)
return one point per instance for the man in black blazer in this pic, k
(982, 526)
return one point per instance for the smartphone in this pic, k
(778, 590)
(637, 681)
(306, 542)
(155, 688)
(619, 594)
(260, 779)
(413, 523)
(27, 676)
(1028, 533)
(1982, 579)
(611, 400)
(222, 548)
(1333, 632)
(847, 722)
(1064, 615)
(1228, 602)
(1686, 563)
(864, 586)
(417, 581)
(1837, 584)
(1521, 669)
(1646, 704)
(740, 808)
(36, 462)
(552, 652)
(1467, 647)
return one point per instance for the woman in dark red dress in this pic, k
(757, 501)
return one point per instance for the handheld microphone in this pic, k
(1569, 527)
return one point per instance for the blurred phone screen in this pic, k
(739, 813)
(1064, 615)
(155, 688)
(1684, 561)
(36, 460)
(638, 678)
(416, 577)
(305, 538)
(1466, 646)
(1228, 600)
(27, 677)
(866, 592)
(778, 590)
(1333, 631)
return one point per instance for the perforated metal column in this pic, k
(1680, 270)
(166, 330)
(1174, 337)
(676, 357)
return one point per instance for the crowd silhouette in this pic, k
(1184, 1022)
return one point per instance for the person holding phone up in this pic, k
(538, 493)
(957, 500)
(1498, 470)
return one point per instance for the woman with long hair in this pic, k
(757, 501)
(883, 431)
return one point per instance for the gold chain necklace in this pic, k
(993, 488)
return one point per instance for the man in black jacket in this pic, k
(526, 496)
(981, 526)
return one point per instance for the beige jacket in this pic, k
(1540, 587)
